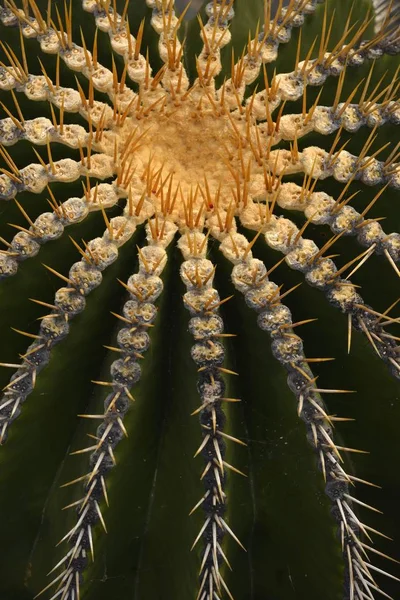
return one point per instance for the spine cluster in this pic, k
(50, 226)
(250, 277)
(138, 315)
(35, 177)
(70, 300)
(321, 272)
(345, 167)
(206, 326)
(322, 209)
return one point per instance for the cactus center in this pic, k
(195, 149)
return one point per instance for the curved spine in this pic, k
(139, 312)
(77, 58)
(40, 88)
(137, 67)
(35, 177)
(303, 255)
(327, 119)
(321, 209)
(278, 30)
(40, 131)
(84, 276)
(288, 87)
(263, 49)
(342, 166)
(50, 226)
(215, 34)
(53, 41)
(250, 277)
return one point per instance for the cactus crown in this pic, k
(190, 144)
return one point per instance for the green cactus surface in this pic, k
(199, 287)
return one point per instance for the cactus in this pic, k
(228, 175)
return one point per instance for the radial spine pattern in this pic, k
(199, 157)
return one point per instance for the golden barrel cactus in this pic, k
(201, 202)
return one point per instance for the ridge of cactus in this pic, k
(144, 127)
